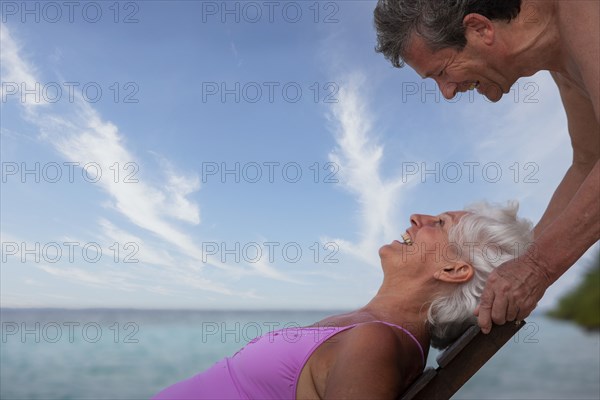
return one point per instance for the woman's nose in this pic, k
(415, 220)
(419, 220)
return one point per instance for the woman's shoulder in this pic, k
(387, 344)
(371, 358)
(376, 341)
(375, 332)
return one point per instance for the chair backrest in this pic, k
(459, 362)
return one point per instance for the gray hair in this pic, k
(438, 22)
(486, 237)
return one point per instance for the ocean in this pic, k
(133, 354)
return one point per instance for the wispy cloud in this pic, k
(15, 70)
(236, 54)
(359, 157)
(80, 135)
(534, 114)
(527, 127)
(145, 253)
(116, 281)
(263, 268)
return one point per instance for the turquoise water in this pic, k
(132, 354)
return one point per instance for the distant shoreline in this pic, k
(582, 304)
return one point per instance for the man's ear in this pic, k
(457, 272)
(478, 28)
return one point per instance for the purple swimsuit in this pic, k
(266, 368)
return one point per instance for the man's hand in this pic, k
(512, 291)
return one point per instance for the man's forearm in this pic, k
(573, 231)
(567, 189)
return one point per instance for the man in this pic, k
(487, 45)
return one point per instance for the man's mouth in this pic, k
(474, 85)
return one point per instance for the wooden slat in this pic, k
(459, 362)
(447, 355)
(419, 384)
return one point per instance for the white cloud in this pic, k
(359, 158)
(15, 71)
(528, 126)
(263, 268)
(82, 136)
(80, 275)
(146, 253)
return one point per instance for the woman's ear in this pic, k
(457, 272)
(478, 29)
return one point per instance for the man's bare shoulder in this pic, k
(579, 19)
(579, 23)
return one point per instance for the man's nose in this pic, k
(448, 89)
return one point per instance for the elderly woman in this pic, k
(431, 285)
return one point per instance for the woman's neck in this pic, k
(406, 308)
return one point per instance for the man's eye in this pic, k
(441, 222)
(441, 73)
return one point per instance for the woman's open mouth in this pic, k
(406, 238)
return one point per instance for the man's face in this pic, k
(474, 67)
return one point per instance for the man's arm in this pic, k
(569, 226)
(514, 288)
(572, 181)
(579, 85)
(585, 139)
(574, 231)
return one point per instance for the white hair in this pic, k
(486, 237)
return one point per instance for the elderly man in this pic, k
(487, 45)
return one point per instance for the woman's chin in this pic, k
(383, 250)
(395, 246)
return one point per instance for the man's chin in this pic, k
(492, 93)
(494, 99)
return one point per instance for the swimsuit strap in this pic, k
(410, 335)
(343, 328)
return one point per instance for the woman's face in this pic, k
(425, 248)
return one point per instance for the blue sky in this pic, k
(191, 154)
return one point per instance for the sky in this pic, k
(239, 155)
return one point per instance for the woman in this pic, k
(431, 285)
